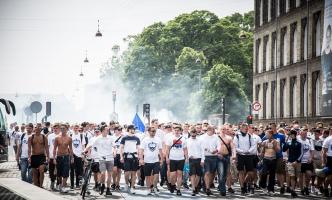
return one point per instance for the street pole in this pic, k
(306, 64)
(223, 110)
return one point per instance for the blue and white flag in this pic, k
(138, 123)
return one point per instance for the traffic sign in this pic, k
(36, 107)
(256, 106)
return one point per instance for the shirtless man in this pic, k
(224, 154)
(37, 146)
(63, 151)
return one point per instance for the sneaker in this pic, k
(108, 191)
(148, 193)
(113, 186)
(156, 190)
(243, 192)
(102, 188)
(230, 190)
(72, 187)
(63, 190)
(117, 188)
(293, 194)
(252, 190)
(57, 187)
(178, 193)
(185, 185)
(172, 188)
(162, 181)
(312, 189)
(306, 191)
(282, 190)
(132, 191)
(223, 194)
(208, 192)
(193, 193)
(127, 188)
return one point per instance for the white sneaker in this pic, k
(63, 190)
(132, 191)
(148, 192)
(313, 190)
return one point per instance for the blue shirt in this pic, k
(281, 139)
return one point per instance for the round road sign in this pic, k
(256, 106)
(36, 107)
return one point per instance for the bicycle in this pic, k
(86, 178)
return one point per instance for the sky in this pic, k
(43, 43)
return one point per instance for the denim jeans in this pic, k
(223, 165)
(26, 172)
(163, 171)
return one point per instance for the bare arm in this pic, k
(70, 147)
(324, 156)
(121, 151)
(55, 147)
(29, 146)
(46, 148)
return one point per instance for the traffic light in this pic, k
(249, 119)
(146, 110)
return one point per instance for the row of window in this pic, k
(292, 50)
(267, 10)
(290, 96)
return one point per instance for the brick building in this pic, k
(287, 61)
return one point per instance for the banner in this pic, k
(326, 59)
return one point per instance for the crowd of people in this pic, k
(194, 157)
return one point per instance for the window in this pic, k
(304, 39)
(258, 12)
(273, 9)
(303, 95)
(265, 87)
(316, 93)
(265, 41)
(273, 101)
(282, 98)
(293, 99)
(316, 35)
(258, 67)
(292, 4)
(283, 47)
(293, 43)
(265, 11)
(274, 51)
(282, 7)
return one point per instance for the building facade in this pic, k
(287, 60)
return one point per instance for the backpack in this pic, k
(238, 145)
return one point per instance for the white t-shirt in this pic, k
(195, 149)
(24, 146)
(307, 146)
(14, 136)
(257, 140)
(88, 134)
(160, 134)
(151, 147)
(94, 149)
(209, 144)
(105, 147)
(117, 142)
(78, 141)
(176, 152)
(328, 145)
(50, 140)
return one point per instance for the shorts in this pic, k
(105, 165)
(293, 170)
(63, 166)
(130, 164)
(176, 165)
(210, 164)
(117, 162)
(37, 160)
(281, 166)
(245, 162)
(329, 164)
(307, 167)
(151, 168)
(195, 167)
(95, 167)
(255, 161)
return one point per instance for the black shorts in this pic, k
(195, 167)
(151, 168)
(95, 167)
(130, 164)
(245, 162)
(329, 164)
(210, 164)
(117, 162)
(176, 165)
(37, 160)
(63, 166)
(256, 161)
(307, 167)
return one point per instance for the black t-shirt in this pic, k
(130, 143)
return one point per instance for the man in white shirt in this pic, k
(22, 154)
(306, 161)
(151, 148)
(176, 155)
(196, 160)
(244, 146)
(50, 140)
(118, 166)
(78, 145)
